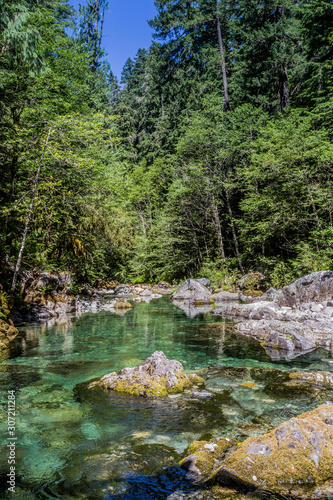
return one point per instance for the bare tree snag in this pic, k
(19, 259)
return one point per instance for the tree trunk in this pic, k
(19, 259)
(283, 88)
(223, 70)
(218, 228)
(234, 235)
(96, 36)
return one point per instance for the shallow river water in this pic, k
(73, 446)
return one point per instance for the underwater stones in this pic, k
(204, 456)
(193, 292)
(157, 376)
(16, 377)
(288, 460)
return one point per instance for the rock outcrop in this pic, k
(157, 376)
(293, 460)
(292, 321)
(10, 340)
(192, 292)
(316, 287)
(47, 294)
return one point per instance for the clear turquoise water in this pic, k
(71, 445)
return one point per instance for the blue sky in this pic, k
(125, 29)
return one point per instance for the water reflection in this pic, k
(190, 310)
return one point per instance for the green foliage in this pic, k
(222, 273)
(154, 180)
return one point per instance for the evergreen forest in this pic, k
(212, 156)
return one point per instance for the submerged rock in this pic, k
(193, 292)
(291, 460)
(157, 376)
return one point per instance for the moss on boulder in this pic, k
(204, 456)
(157, 376)
(290, 460)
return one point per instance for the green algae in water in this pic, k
(115, 446)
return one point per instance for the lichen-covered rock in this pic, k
(288, 339)
(315, 287)
(205, 456)
(104, 284)
(157, 376)
(49, 281)
(48, 294)
(317, 379)
(9, 339)
(123, 290)
(203, 281)
(224, 297)
(193, 292)
(290, 460)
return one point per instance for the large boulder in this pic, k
(315, 287)
(289, 339)
(203, 281)
(291, 461)
(157, 376)
(49, 281)
(193, 292)
(48, 294)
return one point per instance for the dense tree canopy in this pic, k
(212, 155)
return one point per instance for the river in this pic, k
(119, 447)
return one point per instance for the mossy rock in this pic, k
(289, 460)
(8, 335)
(203, 457)
(156, 377)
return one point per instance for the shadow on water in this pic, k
(159, 487)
